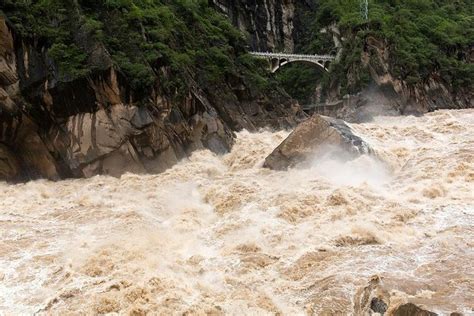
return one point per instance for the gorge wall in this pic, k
(56, 126)
(269, 25)
(433, 93)
(95, 125)
(367, 57)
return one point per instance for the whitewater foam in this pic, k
(222, 235)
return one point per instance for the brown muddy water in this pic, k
(221, 235)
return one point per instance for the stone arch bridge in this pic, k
(278, 60)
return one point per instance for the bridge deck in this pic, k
(293, 56)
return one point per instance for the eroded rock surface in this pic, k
(317, 133)
(96, 124)
(9, 167)
(432, 94)
(269, 25)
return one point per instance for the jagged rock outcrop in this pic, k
(269, 24)
(19, 135)
(380, 298)
(429, 95)
(95, 125)
(318, 132)
(387, 93)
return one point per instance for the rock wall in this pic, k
(94, 125)
(269, 24)
(286, 25)
(430, 95)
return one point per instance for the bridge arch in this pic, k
(278, 60)
(277, 65)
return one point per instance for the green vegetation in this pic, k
(179, 42)
(423, 36)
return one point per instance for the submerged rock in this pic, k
(311, 135)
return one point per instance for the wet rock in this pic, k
(123, 159)
(8, 73)
(372, 298)
(382, 296)
(86, 137)
(9, 166)
(36, 160)
(9, 87)
(367, 104)
(311, 135)
(378, 305)
(411, 309)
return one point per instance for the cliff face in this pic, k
(431, 94)
(389, 93)
(295, 26)
(269, 24)
(94, 125)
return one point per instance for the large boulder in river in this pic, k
(318, 132)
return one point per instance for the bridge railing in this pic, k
(294, 56)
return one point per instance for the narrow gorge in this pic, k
(152, 164)
(107, 121)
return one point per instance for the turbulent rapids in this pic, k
(222, 235)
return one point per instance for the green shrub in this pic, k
(70, 60)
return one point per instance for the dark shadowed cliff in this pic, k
(279, 25)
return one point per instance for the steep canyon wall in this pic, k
(288, 25)
(95, 125)
(269, 25)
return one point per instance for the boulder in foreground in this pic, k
(311, 135)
